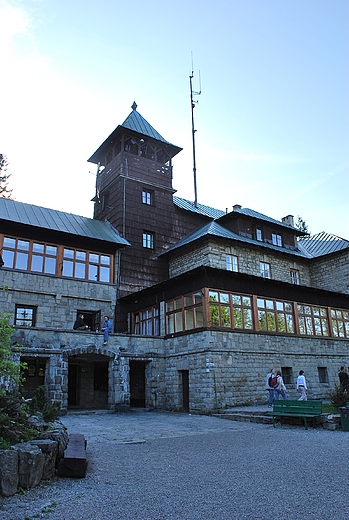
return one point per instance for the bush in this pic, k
(41, 403)
(338, 397)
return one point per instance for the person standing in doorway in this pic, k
(270, 385)
(106, 328)
(343, 379)
(302, 386)
(281, 388)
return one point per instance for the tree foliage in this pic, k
(4, 178)
(8, 368)
(302, 225)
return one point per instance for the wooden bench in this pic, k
(74, 462)
(303, 409)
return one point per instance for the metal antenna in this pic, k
(193, 103)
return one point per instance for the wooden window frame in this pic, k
(265, 267)
(146, 322)
(23, 322)
(178, 310)
(295, 276)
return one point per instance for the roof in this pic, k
(259, 216)
(136, 123)
(54, 220)
(206, 211)
(216, 230)
(323, 244)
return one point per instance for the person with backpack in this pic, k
(271, 385)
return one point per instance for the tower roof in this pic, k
(135, 123)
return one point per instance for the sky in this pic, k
(272, 119)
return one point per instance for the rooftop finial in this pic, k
(134, 106)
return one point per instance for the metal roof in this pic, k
(50, 219)
(207, 211)
(255, 214)
(323, 244)
(216, 230)
(136, 123)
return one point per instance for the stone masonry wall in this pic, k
(331, 273)
(212, 254)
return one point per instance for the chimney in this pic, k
(288, 220)
(236, 207)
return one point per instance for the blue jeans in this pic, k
(273, 396)
(283, 394)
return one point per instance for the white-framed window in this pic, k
(259, 235)
(294, 273)
(147, 197)
(148, 240)
(264, 269)
(231, 262)
(276, 239)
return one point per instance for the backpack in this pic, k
(273, 381)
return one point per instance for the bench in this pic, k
(303, 409)
(74, 462)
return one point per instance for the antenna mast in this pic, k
(193, 103)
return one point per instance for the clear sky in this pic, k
(272, 120)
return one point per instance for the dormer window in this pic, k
(259, 235)
(276, 239)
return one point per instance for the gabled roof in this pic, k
(206, 211)
(216, 230)
(259, 216)
(323, 244)
(53, 220)
(136, 123)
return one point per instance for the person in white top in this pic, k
(302, 386)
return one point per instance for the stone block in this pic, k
(50, 449)
(8, 472)
(31, 464)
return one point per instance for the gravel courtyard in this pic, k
(161, 466)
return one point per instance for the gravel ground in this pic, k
(162, 466)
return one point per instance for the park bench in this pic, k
(74, 462)
(302, 409)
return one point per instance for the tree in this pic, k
(302, 225)
(9, 370)
(4, 178)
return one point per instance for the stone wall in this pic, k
(213, 254)
(331, 273)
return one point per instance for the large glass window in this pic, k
(340, 323)
(146, 322)
(184, 313)
(39, 257)
(275, 315)
(230, 310)
(312, 320)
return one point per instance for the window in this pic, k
(184, 313)
(86, 266)
(146, 322)
(259, 235)
(287, 375)
(231, 262)
(264, 269)
(276, 239)
(39, 257)
(25, 316)
(340, 323)
(275, 315)
(230, 310)
(147, 197)
(148, 240)
(312, 321)
(294, 273)
(323, 375)
(91, 318)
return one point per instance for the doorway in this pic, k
(137, 384)
(185, 389)
(34, 375)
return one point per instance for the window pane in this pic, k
(289, 321)
(214, 315)
(9, 242)
(79, 270)
(68, 253)
(178, 321)
(189, 319)
(271, 321)
(93, 272)
(246, 300)
(213, 296)
(23, 245)
(51, 250)
(188, 300)
(22, 261)
(178, 303)
(199, 317)
(104, 274)
(224, 297)
(236, 299)
(225, 316)
(8, 257)
(105, 260)
(94, 258)
(198, 297)
(81, 255)
(269, 304)
(248, 319)
(50, 265)
(170, 324)
(37, 263)
(262, 320)
(237, 318)
(68, 267)
(38, 248)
